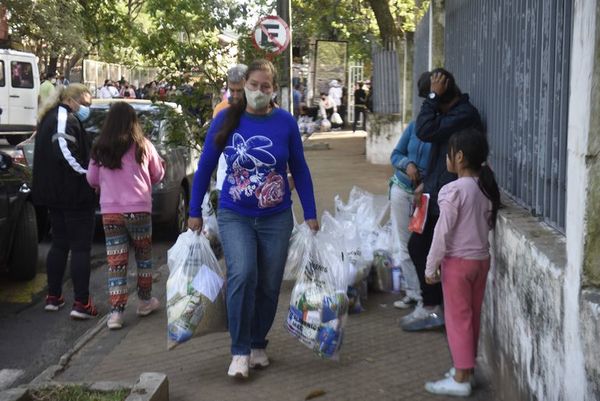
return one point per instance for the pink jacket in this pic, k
(462, 229)
(128, 189)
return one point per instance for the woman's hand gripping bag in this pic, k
(319, 304)
(195, 300)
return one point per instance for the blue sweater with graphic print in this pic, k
(258, 154)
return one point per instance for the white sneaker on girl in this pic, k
(115, 321)
(449, 386)
(452, 373)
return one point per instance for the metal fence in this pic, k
(385, 83)
(95, 72)
(512, 57)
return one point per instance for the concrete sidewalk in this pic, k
(378, 361)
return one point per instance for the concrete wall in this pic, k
(541, 323)
(383, 133)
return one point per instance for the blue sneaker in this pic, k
(431, 319)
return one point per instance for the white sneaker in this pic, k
(258, 358)
(115, 321)
(405, 302)
(146, 307)
(452, 373)
(418, 313)
(239, 366)
(449, 386)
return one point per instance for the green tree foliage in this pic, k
(348, 20)
(357, 21)
(46, 27)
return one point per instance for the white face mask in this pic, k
(256, 99)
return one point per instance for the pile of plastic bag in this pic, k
(195, 300)
(333, 268)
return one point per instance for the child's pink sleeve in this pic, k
(155, 165)
(93, 174)
(448, 200)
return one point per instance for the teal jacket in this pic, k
(410, 149)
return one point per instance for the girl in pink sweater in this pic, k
(468, 209)
(123, 167)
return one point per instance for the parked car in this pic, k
(170, 197)
(19, 89)
(18, 222)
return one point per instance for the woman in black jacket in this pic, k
(62, 151)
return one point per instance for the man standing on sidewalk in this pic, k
(360, 104)
(445, 111)
(235, 86)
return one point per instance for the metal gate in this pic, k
(386, 81)
(512, 57)
(355, 75)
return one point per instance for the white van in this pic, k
(19, 89)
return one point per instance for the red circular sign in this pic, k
(271, 34)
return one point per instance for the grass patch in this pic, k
(76, 393)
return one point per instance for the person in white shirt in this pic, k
(104, 93)
(335, 92)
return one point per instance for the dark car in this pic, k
(19, 226)
(170, 197)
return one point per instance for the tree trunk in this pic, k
(72, 63)
(385, 21)
(52, 65)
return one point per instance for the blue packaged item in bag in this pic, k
(328, 340)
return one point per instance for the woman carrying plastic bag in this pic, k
(261, 143)
(195, 303)
(319, 304)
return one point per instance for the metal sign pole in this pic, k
(285, 64)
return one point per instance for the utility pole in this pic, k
(285, 59)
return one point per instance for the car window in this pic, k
(21, 74)
(2, 80)
(147, 118)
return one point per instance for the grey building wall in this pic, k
(533, 70)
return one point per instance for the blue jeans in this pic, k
(255, 252)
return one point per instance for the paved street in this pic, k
(26, 329)
(378, 360)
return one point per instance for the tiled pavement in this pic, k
(378, 361)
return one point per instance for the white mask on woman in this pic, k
(256, 99)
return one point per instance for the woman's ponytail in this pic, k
(474, 145)
(489, 187)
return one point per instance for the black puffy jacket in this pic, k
(60, 161)
(437, 127)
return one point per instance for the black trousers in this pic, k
(418, 248)
(358, 110)
(72, 230)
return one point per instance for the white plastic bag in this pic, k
(195, 301)
(319, 304)
(300, 242)
(210, 227)
(325, 125)
(336, 119)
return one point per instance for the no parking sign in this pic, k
(271, 34)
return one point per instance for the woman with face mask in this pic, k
(62, 153)
(260, 143)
